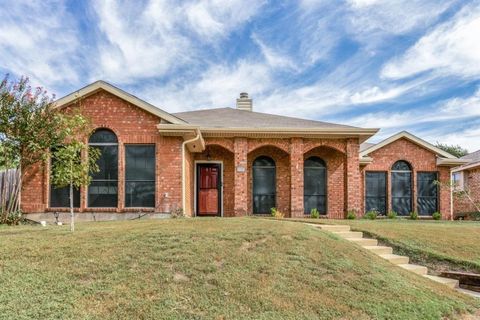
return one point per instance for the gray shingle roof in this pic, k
(233, 118)
(474, 156)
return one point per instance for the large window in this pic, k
(264, 181)
(376, 191)
(315, 185)
(140, 176)
(427, 193)
(103, 190)
(60, 197)
(402, 188)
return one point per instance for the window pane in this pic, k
(264, 184)
(102, 194)
(140, 162)
(315, 202)
(402, 192)
(375, 191)
(107, 163)
(427, 193)
(315, 181)
(314, 185)
(401, 166)
(140, 194)
(103, 136)
(60, 197)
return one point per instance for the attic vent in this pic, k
(244, 102)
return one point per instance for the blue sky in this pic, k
(395, 65)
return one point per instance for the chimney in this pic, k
(244, 102)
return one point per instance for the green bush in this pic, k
(436, 216)
(314, 213)
(276, 213)
(371, 215)
(351, 215)
(413, 215)
(392, 215)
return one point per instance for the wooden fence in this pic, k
(9, 190)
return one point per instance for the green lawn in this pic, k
(457, 243)
(207, 269)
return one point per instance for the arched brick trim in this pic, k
(224, 143)
(336, 163)
(282, 144)
(337, 144)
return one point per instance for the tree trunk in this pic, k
(72, 215)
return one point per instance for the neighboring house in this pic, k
(236, 162)
(467, 178)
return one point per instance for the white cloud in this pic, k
(453, 48)
(273, 57)
(37, 44)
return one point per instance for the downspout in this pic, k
(184, 144)
(450, 183)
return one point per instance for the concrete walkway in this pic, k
(387, 254)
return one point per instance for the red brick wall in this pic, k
(419, 158)
(462, 204)
(131, 125)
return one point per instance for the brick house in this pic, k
(237, 162)
(467, 178)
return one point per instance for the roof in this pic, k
(473, 161)
(234, 118)
(102, 85)
(410, 137)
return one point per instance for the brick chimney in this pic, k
(244, 102)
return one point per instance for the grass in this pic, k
(207, 269)
(439, 244)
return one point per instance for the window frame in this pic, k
(104, 144)
(325, 168)
(386, 188)
(437, 204)
(412, 193)
(274, 168)
(154, 173)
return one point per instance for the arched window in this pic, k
(103, 190)
(315, 185)
(402, 188)
(264, 185)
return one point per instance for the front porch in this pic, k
(244, 176)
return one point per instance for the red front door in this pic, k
(208, 189)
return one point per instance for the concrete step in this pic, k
(421, 270)
(469, 292)
(379, 249)
(364, 241)
(333, 228)
(349, 234)
(452, 283)
(395, 259)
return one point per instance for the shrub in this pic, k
(436, 216)
(314, 213)
(371, 215)
(474, 216)
(413, 215)
(351, 215)
(276, 213)
(392, 215)
(177, 213)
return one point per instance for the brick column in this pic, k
(296, 177)
(121, 177)
(353, 197)
(241, 177)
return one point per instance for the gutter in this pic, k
(184, 145)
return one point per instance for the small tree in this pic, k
(74, 160)
(456, 150)
(29, 126)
